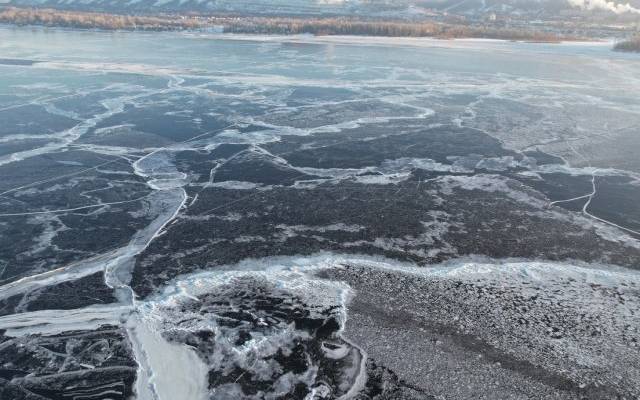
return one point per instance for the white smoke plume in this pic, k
(617, 8)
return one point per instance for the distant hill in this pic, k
(371, 8)
(531, 6)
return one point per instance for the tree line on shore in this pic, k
(271, 25)
(346, 26)
(90, 20)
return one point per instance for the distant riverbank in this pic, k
(273, 25)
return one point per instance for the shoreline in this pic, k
(281, 26)
(303, 38)
(385, 40)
